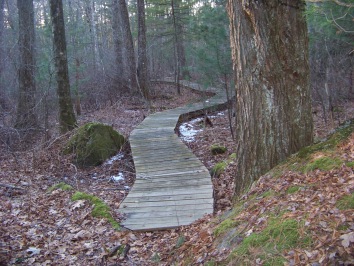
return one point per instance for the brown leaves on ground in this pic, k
(47, 228)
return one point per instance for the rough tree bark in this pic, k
(142, 57)
(269, 45)
(26, 117)
(67, 120)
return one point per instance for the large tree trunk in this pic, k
(142, 58)
(269, 45)
(26, 117)
(128, 46)
(67, 120)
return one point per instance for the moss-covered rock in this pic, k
(93, 143)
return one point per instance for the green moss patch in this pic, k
(93, 143)
(221, 166)
(342, 133)
(100, 209)
(323, 163)
(217, 149)
(346, 202)
(225, 226)
(320, 156)
(278, 236)
(61, 185)
(292, 190)
(269, 193)
(218, 169)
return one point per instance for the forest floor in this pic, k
(42, 225)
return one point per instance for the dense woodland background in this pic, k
(184, 39)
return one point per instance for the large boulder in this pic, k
(93, 143)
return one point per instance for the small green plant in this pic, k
(224, 226)
(350, 164)
(62, 185)
(156, 257)
(100, 210)
(180, 241)
(292, 189)
(346, 202)
(324, 163)
(268, 193)
(232, 156)
(218, 169)
(217, 149)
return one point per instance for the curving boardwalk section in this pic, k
(172, 186)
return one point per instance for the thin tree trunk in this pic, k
(129, 57)
(26, 117)
(67, 120)
(118, 42)
(90, 13)
(142, 58)
(269, 46)
(77, 82)
(177, 60)
(2, 57)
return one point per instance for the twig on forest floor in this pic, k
(10, 186)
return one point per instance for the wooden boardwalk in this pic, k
(172, 186)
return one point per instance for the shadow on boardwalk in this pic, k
(172, 186)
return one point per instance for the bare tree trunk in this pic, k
(177, 60)
(129, 57)
(142, 58)
(269, 46)
(77, 82)
(2, 57)
(90, 13)
(67, 118)
(26, 117)
(351, 78)
(118, 42)
(184, 72)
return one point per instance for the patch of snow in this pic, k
(187, 130)
(117, 178)
(117, 157)
(33, 251)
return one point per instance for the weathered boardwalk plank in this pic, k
(172, 187)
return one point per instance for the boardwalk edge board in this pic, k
(173, 187)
